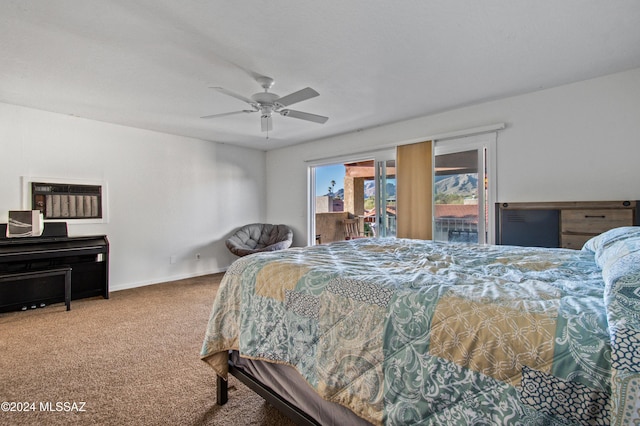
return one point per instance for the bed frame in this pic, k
(285, 407)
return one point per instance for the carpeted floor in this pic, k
(131, 359)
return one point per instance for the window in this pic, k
(362, 188)
(464, 188)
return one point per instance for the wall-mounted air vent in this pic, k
(67, 201)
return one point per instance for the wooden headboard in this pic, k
(561, 224)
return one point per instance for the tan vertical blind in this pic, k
(414, 193)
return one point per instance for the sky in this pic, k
(324, 176)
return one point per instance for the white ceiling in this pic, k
(149, 63)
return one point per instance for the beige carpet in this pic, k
(131, 359)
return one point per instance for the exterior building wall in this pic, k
(330, 227)
(354, 195)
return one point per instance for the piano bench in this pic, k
(42, 273)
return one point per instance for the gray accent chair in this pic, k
(258, 237)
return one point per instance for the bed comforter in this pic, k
(418, 332)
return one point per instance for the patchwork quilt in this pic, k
(418, 332)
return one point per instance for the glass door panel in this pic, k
(327, 204)
(385, 207)
(459, 197)
(352, 189)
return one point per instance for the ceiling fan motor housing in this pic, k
(265, 98)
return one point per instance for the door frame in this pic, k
(488, 143)
(381, 190)
(373, 155)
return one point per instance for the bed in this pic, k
(398, 331)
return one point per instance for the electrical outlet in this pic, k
(172, 260)
(197, 256)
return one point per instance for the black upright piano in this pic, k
(87, 257)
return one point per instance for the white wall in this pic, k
(168, 196)
(576, 142)
(176, 196)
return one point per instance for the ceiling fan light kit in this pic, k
(267, 103)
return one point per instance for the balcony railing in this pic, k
(456, 229)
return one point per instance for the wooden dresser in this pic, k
(561, 224)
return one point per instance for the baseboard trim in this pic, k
(127, 286)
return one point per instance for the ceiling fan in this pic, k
(266, 103)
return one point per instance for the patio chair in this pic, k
(352, 229)
(257, 237)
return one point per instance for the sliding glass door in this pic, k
(464, 188)
(363, 189)
(458, 198)
(385, 199)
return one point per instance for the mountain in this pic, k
(462, 184)
(370, 189)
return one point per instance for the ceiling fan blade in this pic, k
(267, 123)
(304, 116)
(299, 96)
(228, 113)
(233, 94)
